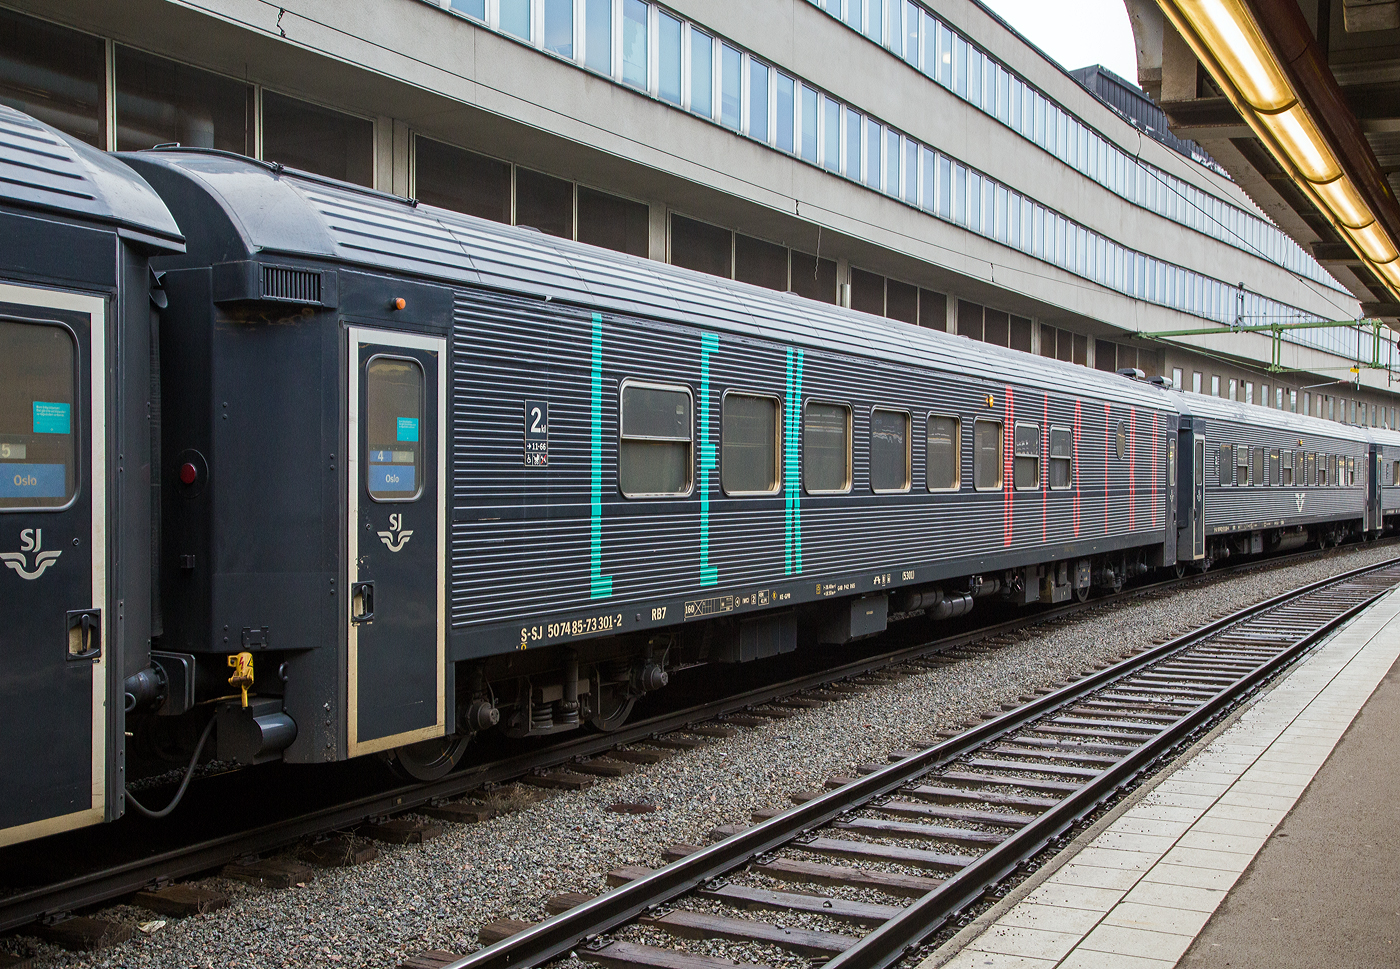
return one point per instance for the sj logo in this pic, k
(1298, 499)
(30, 540)
(397, 536)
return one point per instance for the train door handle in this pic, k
(361, 602)
(84, 634)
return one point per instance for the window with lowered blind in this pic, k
(1025, 468)
(1061, 458)
(655, 451)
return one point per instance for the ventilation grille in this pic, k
(291, 285)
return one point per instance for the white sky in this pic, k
(1076, 33)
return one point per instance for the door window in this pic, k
(654, 458)
(38, 416)
(393, 428)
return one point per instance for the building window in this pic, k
(515, 18)
(1026, 466)
(703, 247)
(702, 71)
(315, 139)
(731, 82)
(559, 27)
(1177, 380)
(902, 301)
(597, 35)
(634, 43)
(161, 102)
(668, 57)
(1215, 385)
(1061, 458)
(654, 453)
(749, 452)
(1196, 377)
(933, 310)
(889, 450)
(867, 292)
(986, 458)
(826, 448)
(944, 447)
(463, 181)
(813, 278)
(56, 75)
(760, 263)
(544, 202)
(758, 100)
(619, 224)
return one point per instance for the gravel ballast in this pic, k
(436, 895)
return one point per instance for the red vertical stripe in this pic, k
(1008, 488)
(1108, 452)
(1044, 471)
(1132, 478)
(1074, 467)
(1154, 470)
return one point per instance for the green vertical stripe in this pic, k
(792, 483)
(796, 485)
(709, 344)
(600, 585)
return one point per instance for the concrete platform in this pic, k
(1276, 845)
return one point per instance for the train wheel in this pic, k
(1179, 570)
(428, 760)
(1082, 593)
(614, 707)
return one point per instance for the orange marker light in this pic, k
(399, 303)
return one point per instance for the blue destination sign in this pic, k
(34, 481)
(391, 477)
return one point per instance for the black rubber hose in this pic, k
(189, 773)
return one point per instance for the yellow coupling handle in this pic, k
(242, 678)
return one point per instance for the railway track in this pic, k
(106, 883)
(966, 813)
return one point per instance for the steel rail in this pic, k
(556, 936)
(92, 888)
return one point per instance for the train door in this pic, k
(396, 554)
(54, 614)
(1373, 490)
(1169, 552)
(1198, 495)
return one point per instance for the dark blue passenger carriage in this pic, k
(77, 229)
(520, 478)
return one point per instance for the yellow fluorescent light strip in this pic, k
(1225, 27)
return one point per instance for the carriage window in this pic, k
(1061, 457)
(1395, 472)
(394, 416)
(1025, 470)
(1271, 477)
(1351, 472)
(749, 459)
(1241, 464)
(986, 457)
(654, 455)
(1311, 472)
(1227, 464)
(826, 448)
(944, 445)
(38, 416)
(1122, 440)
(1322, 476)
(1258, 478)
(889, 450)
